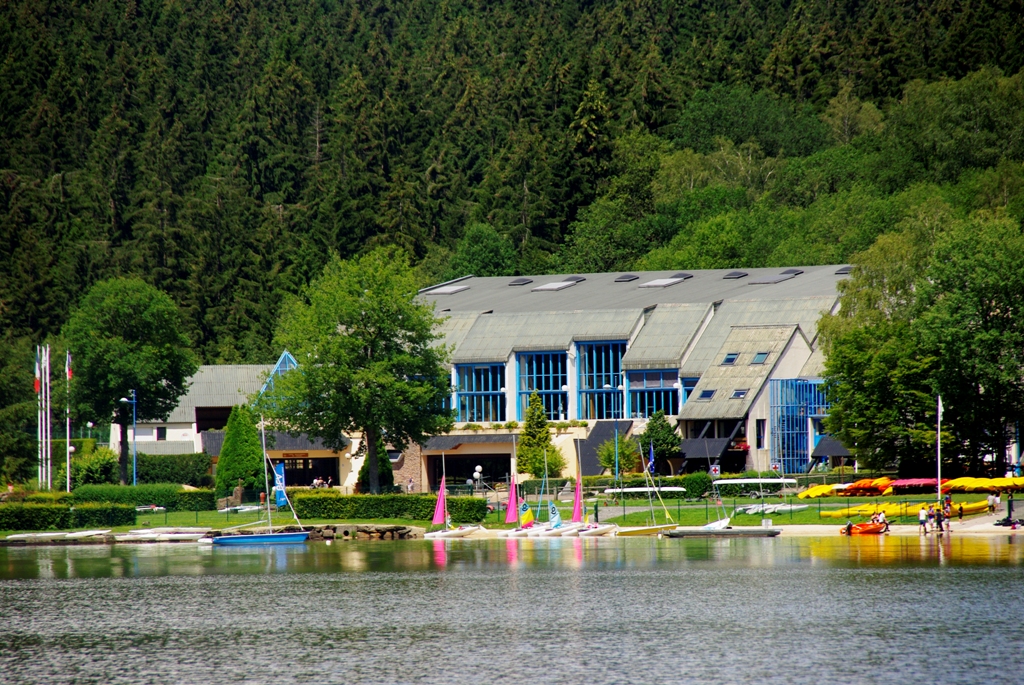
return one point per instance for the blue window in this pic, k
(706, 394)
(599, 374)
(546, 373)
(688, 385)
(730, 358)
(739, 394)
(650, 391)
(760, 358)
(480, 392)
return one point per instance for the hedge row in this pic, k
(696, 484)
(55, 516)
(183, 469)
(331, 505)
(167, 495)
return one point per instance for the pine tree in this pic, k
(241, 456)
(535, 443)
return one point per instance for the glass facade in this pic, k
(795, 404)
(650, 391)
(479, 393)
(546, 373)
(599, 375)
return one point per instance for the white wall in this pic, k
(790, 362)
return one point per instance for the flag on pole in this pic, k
(280, 498)
(940, 407)
(441, 507)
(67, 365)
(650, 466)
(39, 375)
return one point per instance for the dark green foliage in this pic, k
(17, 409)
(481, 252)
(535, 453)
(241, 455)
(385, 474)
(665, 439)
(93, 515)
(186, 469)
(34, 517)
(96, 467)
(736, 113)
(331, 505)
(167, 495)
(628, 455)
(227, 174)
(697, 484)
(52, 497)
(127, 336)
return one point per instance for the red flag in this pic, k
(67, 365)
(39, 377)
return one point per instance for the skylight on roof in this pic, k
(844, 270)
(730, 358)
(682, 274)
(706, 395)
(739, 394)
(732, 275)
(520, 281)
(448, 290)
(574, 279)
(769, 280)
(557, 285)
(760, 358)
(661, 282)
(626, 278)
(795, 272)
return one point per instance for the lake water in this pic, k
(617, 610)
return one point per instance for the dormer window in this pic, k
(706, 395)
(739, 394)
(760, 358)
(730, 358)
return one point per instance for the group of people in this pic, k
(938, 519)
(993, 502)
(319, 482)
(880, 518)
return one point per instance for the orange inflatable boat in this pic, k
(863, 529)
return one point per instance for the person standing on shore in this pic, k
(938, 520)
(960, 513)
(922, 520)
(991, 499)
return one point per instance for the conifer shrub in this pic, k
(535, 453)
(241, 456)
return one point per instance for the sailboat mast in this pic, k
(444, 475)
(266, 477)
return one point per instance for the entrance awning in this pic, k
(829, 447)
(704, 448)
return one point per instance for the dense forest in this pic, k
(223, 150)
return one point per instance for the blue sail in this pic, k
(553, 516)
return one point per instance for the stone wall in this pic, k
(411, 468)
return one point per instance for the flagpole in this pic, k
(67, 415)
(938, 451)
(49, 417)
(39, 422)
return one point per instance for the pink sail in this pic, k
(577, 503)
(512, 509)
(441, 508)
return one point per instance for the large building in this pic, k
(706, 347)
(731, 356)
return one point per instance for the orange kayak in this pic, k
(864, 529)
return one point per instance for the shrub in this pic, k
(184, 469)
(629, 455)
(168, 495)
(34, 517)
(196, 500)
(535, 443)
(93, 515)
(241, 456)
(697, 484)
(331, 505)
(96, 467)
(48, 498)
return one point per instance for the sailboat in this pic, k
(655, 529)
(270, 537)
(584, 529)
(441, 516)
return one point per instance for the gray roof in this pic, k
(213, 441)
(494, 336)
(166, 447)
(455, 326)
(804, 312)
(437, 443)
(741, 375)
(668, 331)
(829, 446)
(600, 291)
(814, 367)
(221, 385)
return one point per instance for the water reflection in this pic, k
(512, 553)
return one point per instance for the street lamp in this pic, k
(89, 425)
(478, 476)
(133, 401)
